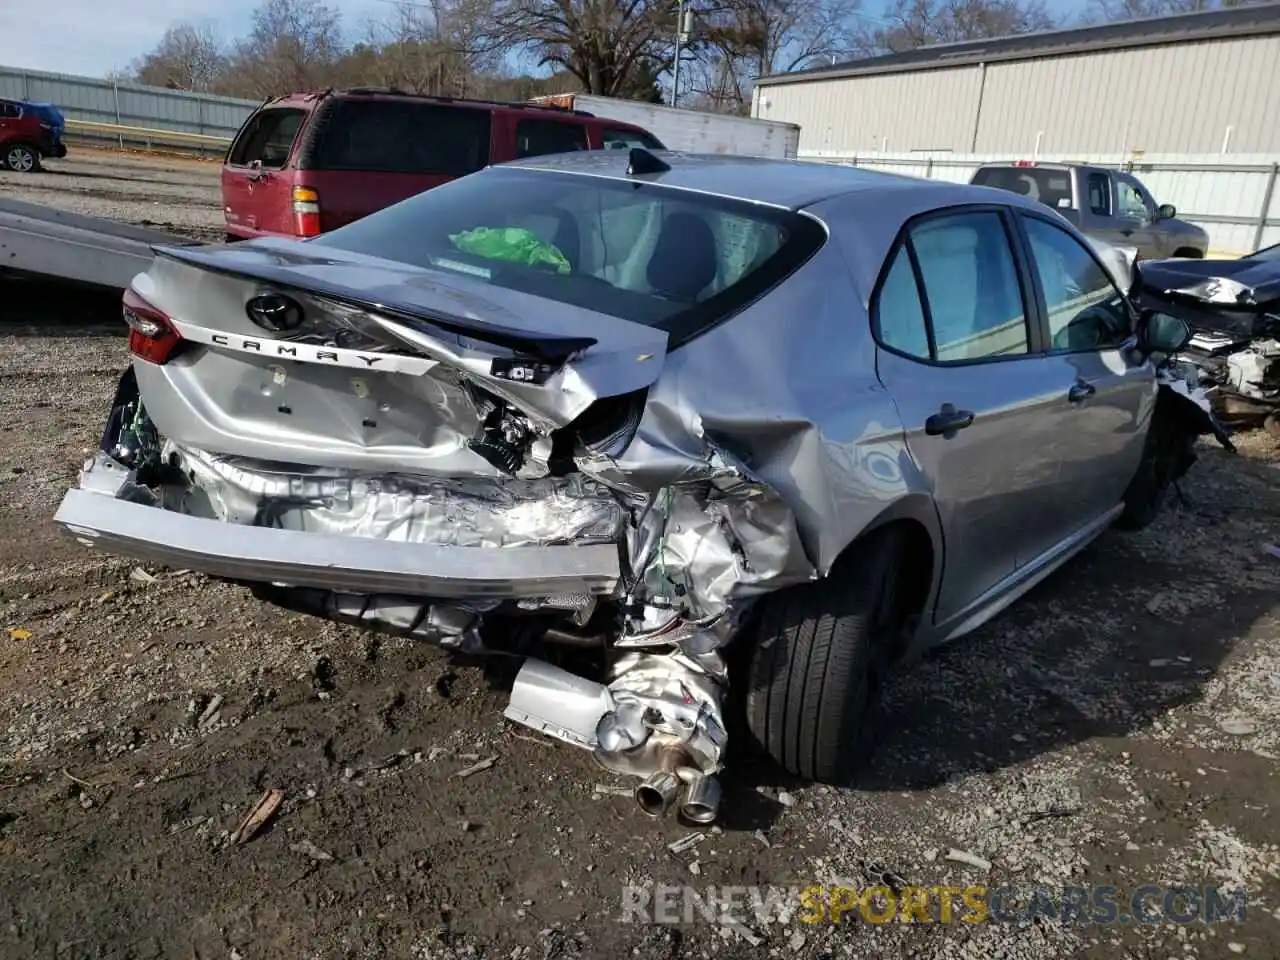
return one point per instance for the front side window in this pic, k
(267, 138)
(616, 138)
(401, 136)
(972, 298)
(537, 138)
(1085, 309)
(9, 110)
(667, 258)
(1131, 202)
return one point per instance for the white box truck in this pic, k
(691, 131)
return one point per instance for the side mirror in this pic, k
(1162, 333)
(1166, 211)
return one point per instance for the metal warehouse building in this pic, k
(1198, 83)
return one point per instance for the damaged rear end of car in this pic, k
(436, 450)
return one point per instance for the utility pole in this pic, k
(684, 27)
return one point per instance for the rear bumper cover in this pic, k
(356, 565)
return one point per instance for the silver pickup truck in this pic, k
(1107, 204)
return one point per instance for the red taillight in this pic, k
(306, 212)
(151, 335)
(1024, 163)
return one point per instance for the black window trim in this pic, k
(1042, 306)
(1033, 317)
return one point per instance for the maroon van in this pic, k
(308, 163)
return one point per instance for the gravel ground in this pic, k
(173, 194)
(1120, 725)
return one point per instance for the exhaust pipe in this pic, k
(702, 801)
(656, 794)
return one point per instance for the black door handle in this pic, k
(947, 421)
(1081, 391)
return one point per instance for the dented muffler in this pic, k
(659, 720)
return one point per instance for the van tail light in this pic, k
(151, 335)
(306, 212)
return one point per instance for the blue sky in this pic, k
(92, 37)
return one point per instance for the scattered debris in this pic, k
(436, 752)
(972, 859)
(744, 932)
(760, 835)
(610, 790)
(786, 799)
(257, 818)
(1271, 549)
(19, 633)
(483, 765)
(309, 849)
(210, 711)
(138, 575)
(386, 763)
(1238, 726)
(76, 780)
(694, 867)
(686, 843)
(1052, 812)
(322, 675)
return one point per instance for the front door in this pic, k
(1105, 389)
(256, 197)
(961, 355)
(1136, 215)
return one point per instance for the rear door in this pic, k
(257, 194)
(9, 113)
(540, 136)
(375, 152)
(960, 352)
(1104, 391)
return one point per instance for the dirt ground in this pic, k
(169, 193)
(1120, 725)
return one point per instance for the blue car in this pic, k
(53, 123)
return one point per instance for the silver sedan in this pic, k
(680, 410)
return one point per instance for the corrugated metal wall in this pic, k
(99, 101)
(1237, 202)
(1177, 98)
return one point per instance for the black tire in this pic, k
(21, 158)
(1165, 455)
(820, 657)
(1190, 253)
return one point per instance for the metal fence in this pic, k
(93, 101)
(1233, 197)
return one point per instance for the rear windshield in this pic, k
(397, 136)
(668, 258)
(1052, 187)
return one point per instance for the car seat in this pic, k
(685, 258)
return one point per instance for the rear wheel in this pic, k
(1189, 252)
(821, 654)
(21, 158)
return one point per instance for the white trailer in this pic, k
(691, 131)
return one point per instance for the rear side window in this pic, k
(672, 259)
(10, 110)
(1050, 187)
(952, 292)
(616, 138)
(536, 138)
(1100, 194)
(397, 136)
(267, 137)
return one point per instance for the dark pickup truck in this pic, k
(1108, 204)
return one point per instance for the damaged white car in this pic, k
(689, 411)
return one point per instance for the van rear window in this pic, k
(395, 136)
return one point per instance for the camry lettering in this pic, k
(306, 353)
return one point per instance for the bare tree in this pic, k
(919, 23)
(188, 57)
(1110, 10)
(742, 39)
(613, 47)
(292, 45)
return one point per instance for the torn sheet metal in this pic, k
(471, 512)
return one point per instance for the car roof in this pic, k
(792, 184)
(310, 99)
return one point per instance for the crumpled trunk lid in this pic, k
(392, 367)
